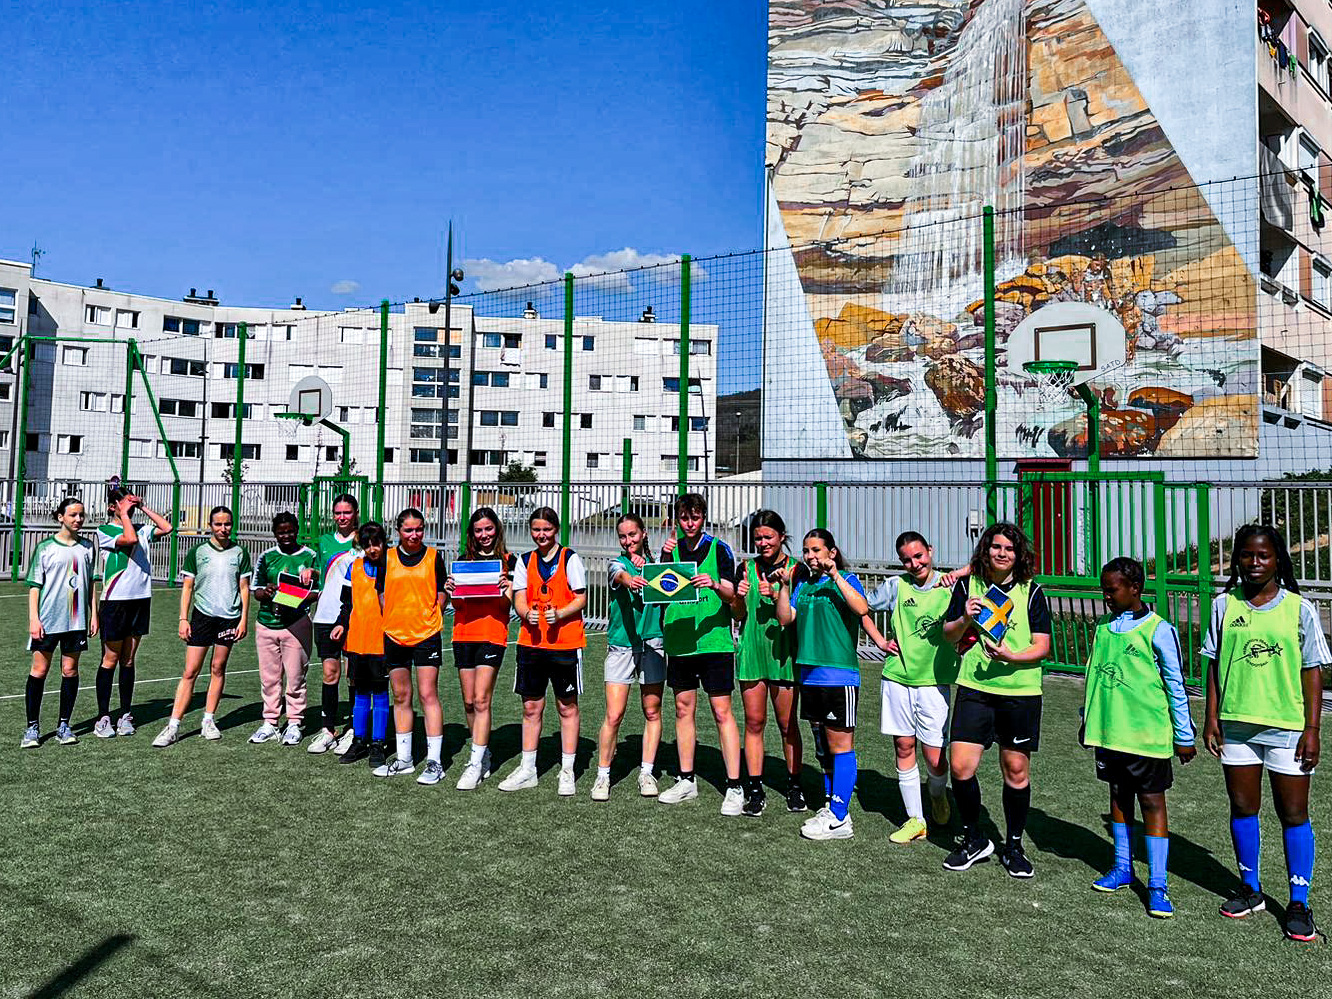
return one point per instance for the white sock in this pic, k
(567, 761)
(908, 782)
(434, 747)
(529, 759)
(478, 754)
(647, 766)
(938, 783)
(404, 740)
(208, 716)
(603, 772)
(174, 724)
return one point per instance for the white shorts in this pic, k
(646, 665)
(1254, 745)
(917, 711)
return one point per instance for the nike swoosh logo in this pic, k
(1018, 742)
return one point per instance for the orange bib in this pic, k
(483, 619)
(365, 630)
(411, 613)
(553, 592)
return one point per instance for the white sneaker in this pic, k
(432, 774)
(601, 788)
(522, 777)
(344, 743)
(266, 732)
(472, 775)
(733, 802)
(568, 784)
(168, 736)
(681, 790)
(485, 764)
(104, 729)
(826, 826)
(32, 738)
(209, 730)
(395, 768)
(292, 736)
(322, 742)
(823, 813)
(647, 784)
(126, 724)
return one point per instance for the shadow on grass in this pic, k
(87, 963)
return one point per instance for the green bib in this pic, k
(917, 620)
(979, 672)
(704, 626)
(1258, 669)
(629, 622)
(826, 630)
(1125, 706)
(272, 563)
(767, 650)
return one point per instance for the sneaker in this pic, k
(432, 774)
(126, 725)
(601, 788)
(1015, 861)
(344, 741)
(795, 799)
(968, 852)
(818, 816)
(521, 777)
(568, 784)
(1114, 879)
(394, 768)
(104, 729)
(911, 829)
(1159, 905)
(292, 736)
(733, 801)
(826, 826)
(323, 742)
(65, 735)
(940, 811)
(356, 752)
(472, 775)
(267, 732)
(755, 804)
(32, 738)
(209, 730)
(168, 736)
(378, 754)
(1300, 923)
(1244, 902)
(684, 789)
(647, 784)
(485, 764)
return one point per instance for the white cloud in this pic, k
(345, 287)
(614, 272)
(491, 275)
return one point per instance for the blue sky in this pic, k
(267, 151)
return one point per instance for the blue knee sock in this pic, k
(1158, 852)
(361, 715)
(1123, 833)
(843, 783)
(1244, 834)
(379, 715)
(1299, 860)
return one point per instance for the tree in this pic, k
(516, 471)
(227, 470)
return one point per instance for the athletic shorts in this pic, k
(1133, 773)
(427, 653)
(367, 671)
(713, 671)
(921, 712)
(835, 706)
(470, 655)
(71, 643)
(1014, 721)
(560, 669)
(206, 630)
(326, 646)
(121, 619)
(1246, 745)
(646, 664)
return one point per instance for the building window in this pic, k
(75, 356)
(593, 460)
(4, 440)
(184, 449)
(1322, 283)
(673, 385)
(425, 350)
(698, 423)
(5, 388)
(181, 366)
(127, 319)
(640, 422)
(97, 315)
(175, 324)
(425, 334)
(178, 407)
(32, 442)
(1318, 61)
(489, 418)
(480, 377)
(626, 383)
(293, 452)
(69, 444)
(589, 343)
(509, 418)
(8, 305)
(99, 402)
(231, 369)
(548, 419)
(388, 455)
(249, 452)
(1309, 155)
(695, 347)
(491, 340)
(353, 334)
(673, 461)
(538, 459)
(227, 410)
(424, 455)
(594, 383)
(585, 421)
(536, 380)
(331, 452)
(550, 341)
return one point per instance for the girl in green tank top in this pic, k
(765, 664)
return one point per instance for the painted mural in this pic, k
(890, 126)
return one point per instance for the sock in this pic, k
(404, 740)
(732, 782)
(908, 782)
(32, 697)
(1299, 860)
(1244, 835)
(827, 784)
(647, 766)
(566, 761)
(1017, 801)
(843, 783)
(1158, 850)
(69, 689)
(753, 786)
(328, 706)
(361, 715)
(208, 716)
(602, 772)
(937, 783)
(1123, 833)
(105, 677)
(968, 795)
(434, 747)
(686, 775)
(379, 715)
(478, 755)
(126, 688)
(173, 724)
(529, 759)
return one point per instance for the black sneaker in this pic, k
(795, 799)
(378, 754)
(1300, 923)
(754, 804)
(968, 852)
(1244, 902)
(356, 752)
(1015, 861)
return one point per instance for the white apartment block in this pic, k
(625, 385)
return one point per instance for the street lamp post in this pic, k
(452, 275)
(735, 470)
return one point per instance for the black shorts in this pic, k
(71, 643)
(561, 669)
(121, 619)
(983, 718)
(206, 630)
(713, 671)
(326, 646)
(835, 706)
(367, 672)
(1133, 773)
(470, 655)
(429, 653)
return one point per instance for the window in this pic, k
(594, 383)
(489, 418)
(99, 402)
(698, 423)
(673, 385)
(98, 315)
(585, 421)
(181, 366)
(426, 415)
(1318, 61)
(509, 418)
(127, 319)
(4, 440)
(249, 452)
(388, 455)
(140, 448)
(178, 407)
(491, 340)
(293, 452)
(175, 324)
(640, 422)
(225, 331)
(231, 369)
(626, 383)
(548, 419)
(33, 442)
(550, 341)
(488, 457)
(695, 347)
(538, 459)
(425, 350)
(75, 356)
(227, 410)
(424, 455)
(589, 343)
(480, 377)
(1322, 283)
(499, 379)
(507, 340)
(5, 388)
(425, 334)
(331, 452)
(673, 460)
(1308, 155)
(8, 305)
(535, 380)
(69, 444)
(184, 449)
(353, 334)
(593, 460)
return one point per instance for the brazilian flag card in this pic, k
(669, 583)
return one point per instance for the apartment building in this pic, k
(494, 385)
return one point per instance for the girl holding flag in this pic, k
(360, 629)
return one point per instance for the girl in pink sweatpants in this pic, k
(282, 633)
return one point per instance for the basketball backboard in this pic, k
(311, 399)
(1070, 331)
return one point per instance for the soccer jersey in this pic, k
(826, 632)
(630, 623)
(127, 572)
(64, 574)
(917, 613)
(766, 647)
(273, 562)
(217, 573)
(558, 580)
(333, 554)
(1031, 616)
(703, 626)
(484, 619)
(411, 584)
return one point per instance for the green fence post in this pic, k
(383, 405)
(682, 458)
(131, 349)
(991, 360)
(241, 335)
(1205, 578)
(464, 515)
(1162, 554)
(567, 462)
(20, 484)
(173, 555)
(626, 474)
(171, 462)
(821, 505)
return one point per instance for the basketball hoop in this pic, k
(1052, 377)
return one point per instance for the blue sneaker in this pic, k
(1115, 879)
(1159, 905)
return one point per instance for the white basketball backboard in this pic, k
(311, 398)
(1070, 331)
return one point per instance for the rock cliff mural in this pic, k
(890, 126)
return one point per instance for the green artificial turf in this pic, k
(236, 870)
